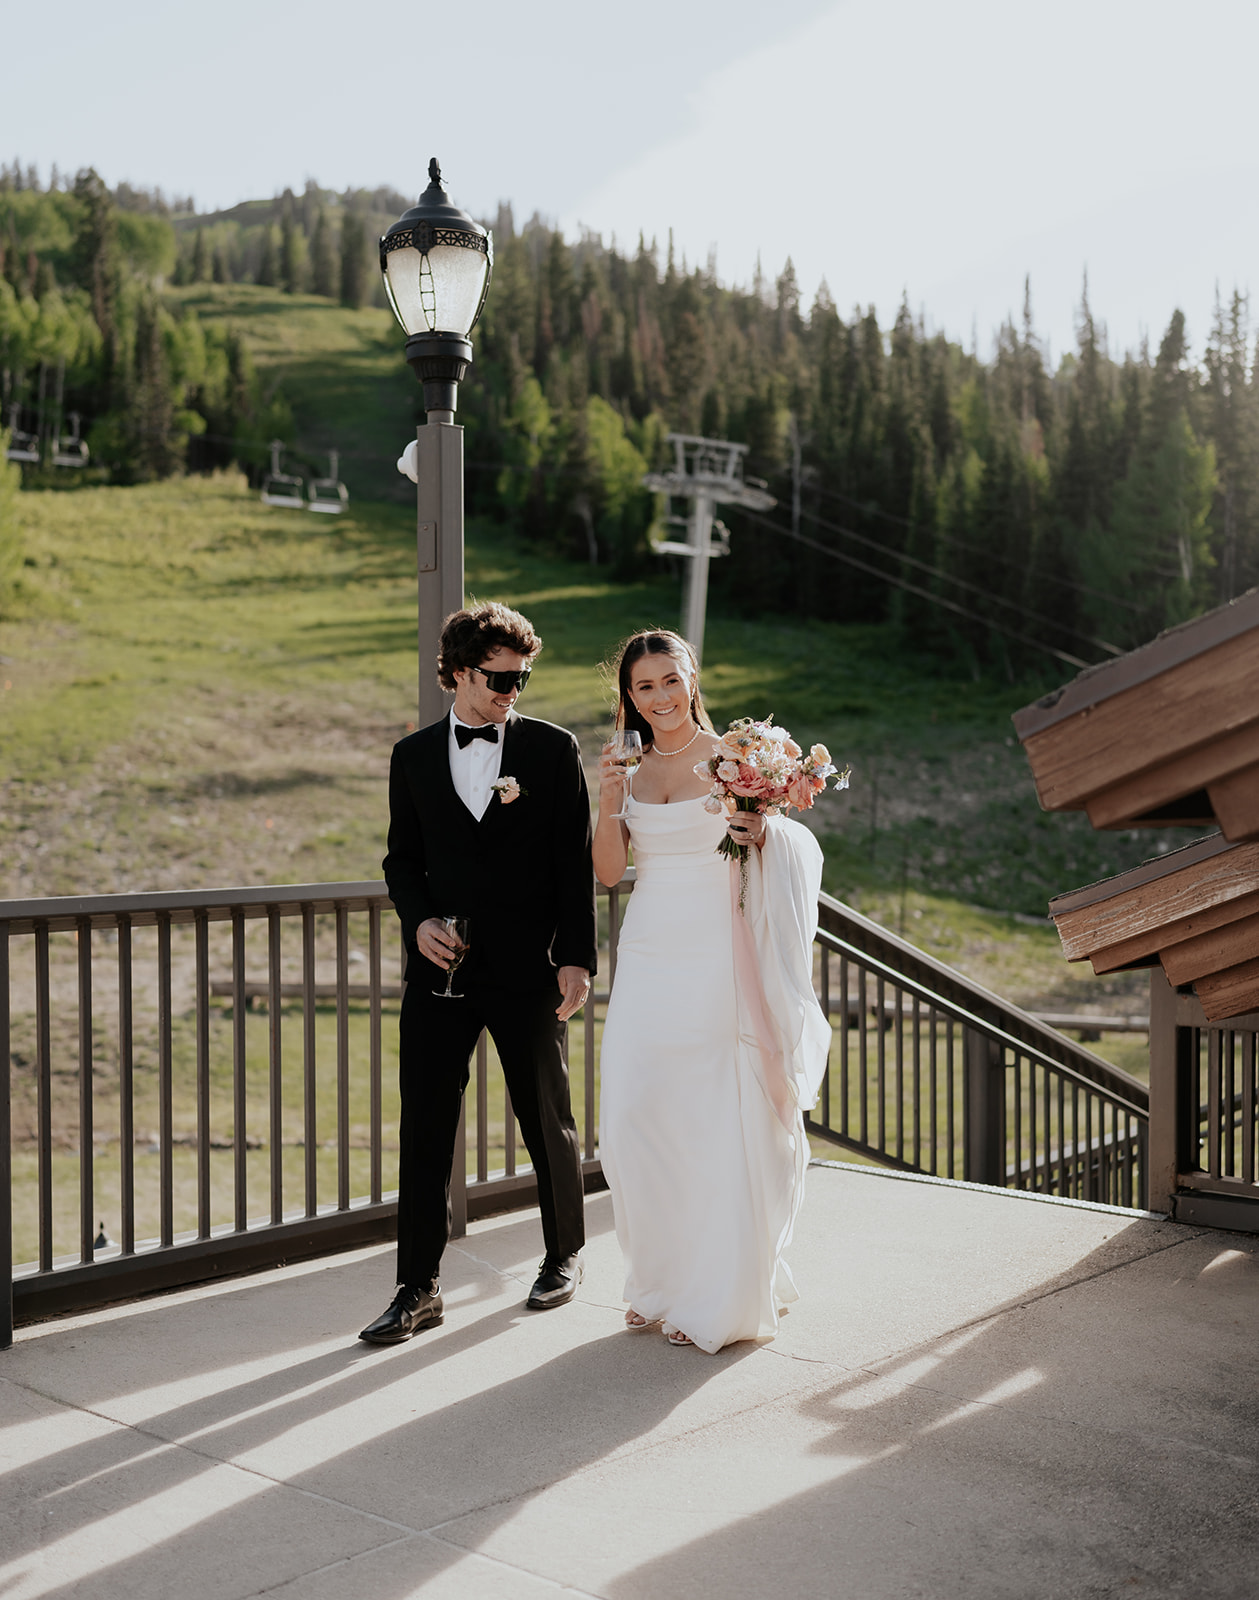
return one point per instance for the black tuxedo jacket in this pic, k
(522, 873)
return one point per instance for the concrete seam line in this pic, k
(499, 1272)
(341, 1561)
(507, 1566)
(990, 1188)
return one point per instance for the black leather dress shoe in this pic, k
(410, 1311)
(556, 1284)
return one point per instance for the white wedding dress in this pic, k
(714, 1045)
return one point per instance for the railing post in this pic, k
(1173, 1136)
(984, 1132)
(6, 1164)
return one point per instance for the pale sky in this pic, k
(889, 146)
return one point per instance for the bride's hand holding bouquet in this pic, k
(759, 768)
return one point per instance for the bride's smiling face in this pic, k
(661, 691)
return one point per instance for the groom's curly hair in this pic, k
(469, 636)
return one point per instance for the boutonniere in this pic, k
(507, 790)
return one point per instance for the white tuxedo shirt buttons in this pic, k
(474, 768)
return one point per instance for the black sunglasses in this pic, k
(505, 682)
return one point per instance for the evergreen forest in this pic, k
(1006, 515)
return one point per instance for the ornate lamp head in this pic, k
(436, 263)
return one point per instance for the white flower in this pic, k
(507, 790)
(713, 805)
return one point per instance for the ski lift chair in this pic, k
(329, 494)
(22, 446)
(281, 488)
(68, 449)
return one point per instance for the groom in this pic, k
(488, 819)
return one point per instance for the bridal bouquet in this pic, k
(758, 767)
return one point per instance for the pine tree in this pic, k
(199, 258)
(290, 254)
(323, 261)
(1157, 552)
(97, 266)
(1232, 412)
(269, 262)
(157, 447)
(353, 261)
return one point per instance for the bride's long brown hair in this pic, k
(655, 642)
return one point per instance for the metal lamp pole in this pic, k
(436, 263)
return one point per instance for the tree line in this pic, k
(318, 242)
(996, 508)
(86, 330)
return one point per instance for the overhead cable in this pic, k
(962, 583)
(924, 594)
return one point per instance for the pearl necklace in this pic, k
(668, 754)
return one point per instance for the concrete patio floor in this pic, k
(979, 1394)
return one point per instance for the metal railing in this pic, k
(204, 1082)
(1205, 1151)
(158, 1128)
(932, 1073)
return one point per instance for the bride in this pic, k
(714, 1041)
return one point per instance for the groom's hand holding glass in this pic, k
(437, 942)
(439, 945)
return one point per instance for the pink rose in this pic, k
(750, 784)
(800, 792)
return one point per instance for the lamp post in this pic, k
(436, 263)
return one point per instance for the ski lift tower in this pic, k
(707, 473)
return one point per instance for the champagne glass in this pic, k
(461, 927)
(627, 752)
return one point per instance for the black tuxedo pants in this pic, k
(437, 1040)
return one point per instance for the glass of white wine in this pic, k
(627, 751)
(461, 928)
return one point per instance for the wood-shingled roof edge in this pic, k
(1188, 855)
(1169, 649)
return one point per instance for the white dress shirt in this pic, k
(474, 768)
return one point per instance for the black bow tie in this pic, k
(465, 736)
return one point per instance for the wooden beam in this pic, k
(1151, 660)
(1194, 704)
(1235, 801)
(1215, 951)
(1181, 775)
(1146, 946)
(1229, 993)
(1148, 906)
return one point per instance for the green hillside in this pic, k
(341, 371)
(211, 689)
